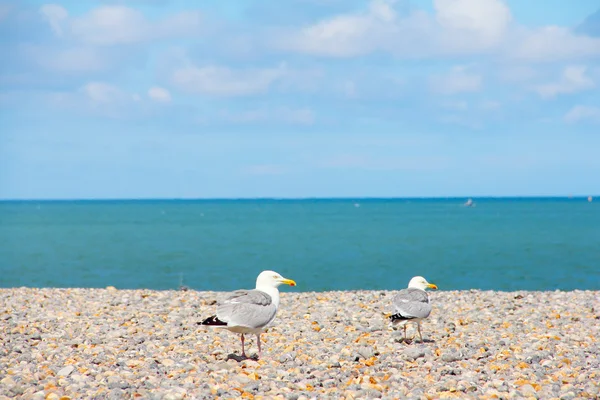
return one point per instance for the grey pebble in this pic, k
(413, 353)
(287, 357)
(17, 390)
(568, 396)
(115, 382)
(365, 352)
(452, 355)
(175, 395)
(40, 395)
(66, 371)
(527, 390)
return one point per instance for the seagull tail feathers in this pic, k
(213, 321)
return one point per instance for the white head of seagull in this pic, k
(418, 282)
(269, 281)
(272, 279)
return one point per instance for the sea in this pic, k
(505, 244)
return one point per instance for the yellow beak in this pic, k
(289, 282)
(432, 286)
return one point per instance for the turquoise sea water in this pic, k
(501, 244)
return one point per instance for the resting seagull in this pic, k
(250, 311)
(412, 304)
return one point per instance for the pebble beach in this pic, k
(120, 344)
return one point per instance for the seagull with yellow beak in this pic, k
(250, 311)
(412, 304)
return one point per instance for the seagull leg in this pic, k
(405, 338)
(258, 341)
(243, 349)
(419, 330)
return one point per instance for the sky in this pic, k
(303, 98)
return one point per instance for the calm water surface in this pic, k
(501, 244)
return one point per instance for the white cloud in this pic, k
(111, 25)
(181, 24)
(574, 79)
(581, 113)
(455, 27)
(119, 25)
(103, 93)
(457, 81)
(223, 81)
(56, 16)
(471, 24)
(345, 35)
(159, 94)
(552, 43)
(349, 35)
(73, 59)
(101, 99)
(458, 26)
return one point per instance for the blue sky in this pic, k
(304, 98)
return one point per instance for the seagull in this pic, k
(412, 304)
(250, 311)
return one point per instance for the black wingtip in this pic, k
(398, 317)
(213, 320)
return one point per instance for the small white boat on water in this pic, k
(590, 199)
(469, 203)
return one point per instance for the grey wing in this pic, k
(411, 294)
(412, 303)
(247, 296)
(413, 310)
(249, 308)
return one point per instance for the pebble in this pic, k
(413, 353)
(111, 343)
(66, 371)
(451, 355)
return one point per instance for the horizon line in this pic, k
(278, 198)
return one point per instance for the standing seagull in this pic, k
(250, 311)
(412, 304)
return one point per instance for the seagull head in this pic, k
(272, 279)
(418, 282)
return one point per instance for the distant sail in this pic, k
(590, 199)
(469, 203)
